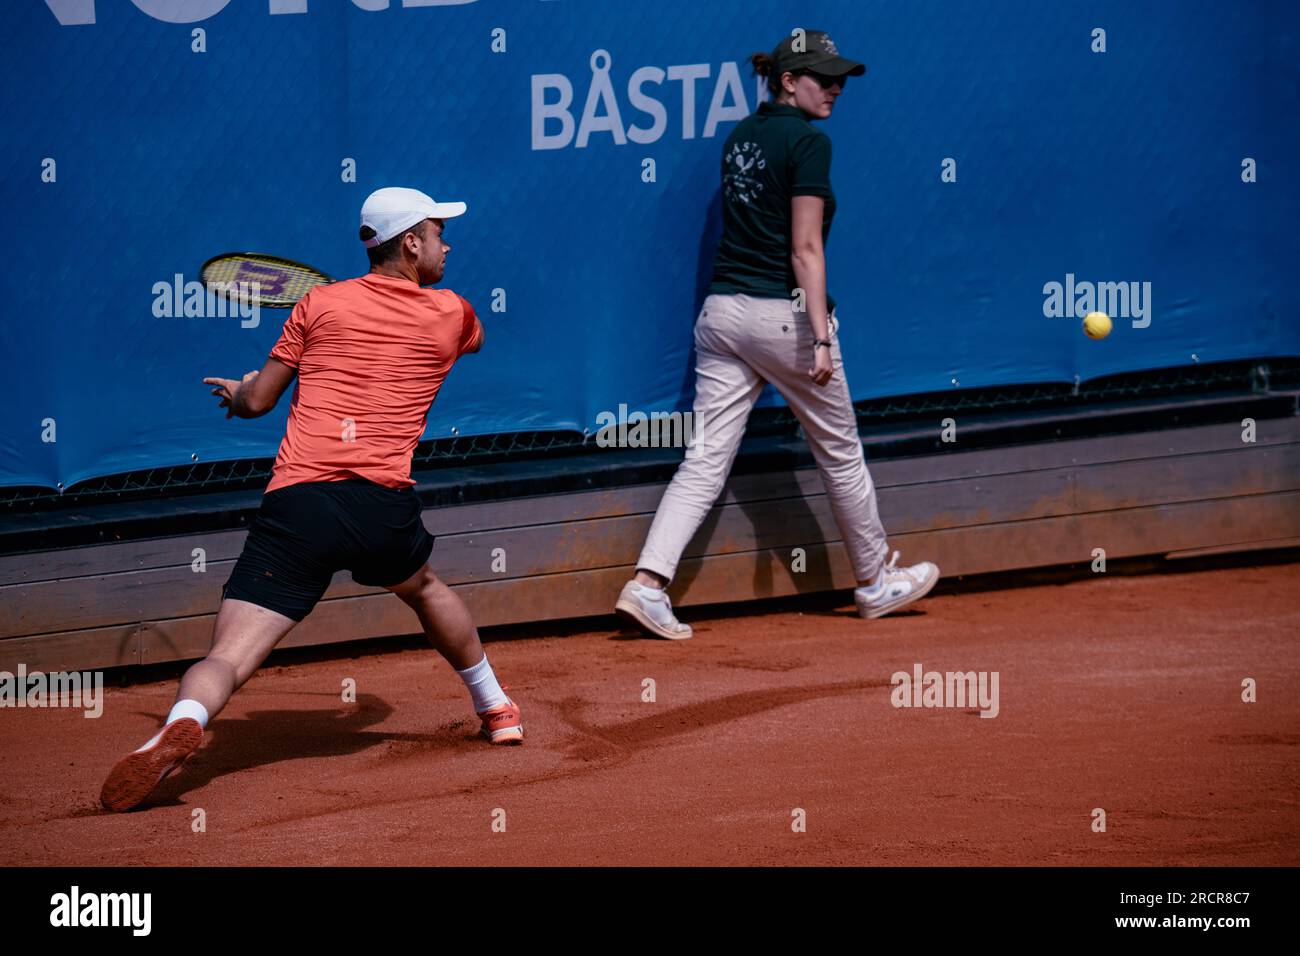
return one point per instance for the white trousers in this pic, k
(741, 343)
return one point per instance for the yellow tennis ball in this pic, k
(1096, 325)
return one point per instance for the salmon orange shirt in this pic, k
(371, 354)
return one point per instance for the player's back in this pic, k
(371, 354)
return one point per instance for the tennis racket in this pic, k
(267, 281)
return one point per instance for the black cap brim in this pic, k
(838, 66)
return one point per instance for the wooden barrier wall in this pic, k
(566, 555)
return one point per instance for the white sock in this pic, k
(182, 708)
(483, 686)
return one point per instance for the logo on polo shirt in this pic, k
(740, 183)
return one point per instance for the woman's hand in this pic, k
(822, 368)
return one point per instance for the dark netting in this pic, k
(1253, 376)
(1244, 376)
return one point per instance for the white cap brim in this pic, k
(448, 210)
(393, 210)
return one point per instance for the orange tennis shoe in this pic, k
(503, 724)
(136, 775)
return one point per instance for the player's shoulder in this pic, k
(312, 302)
(451, 300)
(445, 301)
(382, 288)
(328, 293)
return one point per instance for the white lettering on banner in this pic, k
(688, 75)
(72, 13)
(181, 11)
(646, 104)
(542, 111)
(600, 93)
(601, 112)
(719, 112)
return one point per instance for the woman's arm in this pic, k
(809, 260)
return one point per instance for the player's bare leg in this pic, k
(450, 629)
(445, 618)
(243, 636)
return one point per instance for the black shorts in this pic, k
(305, 533)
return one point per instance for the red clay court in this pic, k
(1121, 692)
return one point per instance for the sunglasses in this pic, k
(826, 82)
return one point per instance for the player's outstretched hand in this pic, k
(226, 389)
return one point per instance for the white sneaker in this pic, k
(896, 588)
(650, 610)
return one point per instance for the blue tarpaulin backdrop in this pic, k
(1116, 166)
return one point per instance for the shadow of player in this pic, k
(266, 737)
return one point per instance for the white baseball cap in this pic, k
(394, 209)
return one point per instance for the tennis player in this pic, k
(369, 355)
(769, 318)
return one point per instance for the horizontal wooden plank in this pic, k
(977, 549)
(1238, 547)
(959, 551)
(953, 464)
(1245, 470)
(333, 622)
(143, 555)
(542, 598)
(129, 556)
(1125, 533)
(957, 462)
(642, 499)
(615, 541)
(165, 593)
(101, 600)
(89, 649)
(547, 549)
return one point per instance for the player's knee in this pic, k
(223, 667)
(424, 589)
(412, 588)
(432, 588)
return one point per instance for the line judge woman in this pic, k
(753, 329)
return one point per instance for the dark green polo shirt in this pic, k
(771, 156)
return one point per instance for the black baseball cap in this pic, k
(813, 50)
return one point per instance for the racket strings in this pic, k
(267, 280)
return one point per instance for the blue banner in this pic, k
(1002, 168)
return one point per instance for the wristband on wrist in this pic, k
(820, 342)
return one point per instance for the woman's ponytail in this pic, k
(763, 66)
